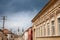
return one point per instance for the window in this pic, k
(59, 24)
(53, 27)
(48, 28)
(44, 30)
(37, 32)
(41, 30)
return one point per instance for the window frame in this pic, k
(53, 27)
(58, 26)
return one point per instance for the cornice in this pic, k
(46, 7)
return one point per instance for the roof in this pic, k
(6, 31)
(49, 4)
(16, 36)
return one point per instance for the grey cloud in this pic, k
(21, 5)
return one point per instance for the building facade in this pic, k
(46, 24)
(30, 34)
(26, 35)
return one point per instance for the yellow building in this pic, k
(46, 24)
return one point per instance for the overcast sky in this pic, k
(20, 12)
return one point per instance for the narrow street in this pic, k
(29, 19)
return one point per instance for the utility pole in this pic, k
(4, 18)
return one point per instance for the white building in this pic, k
(26, 35)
